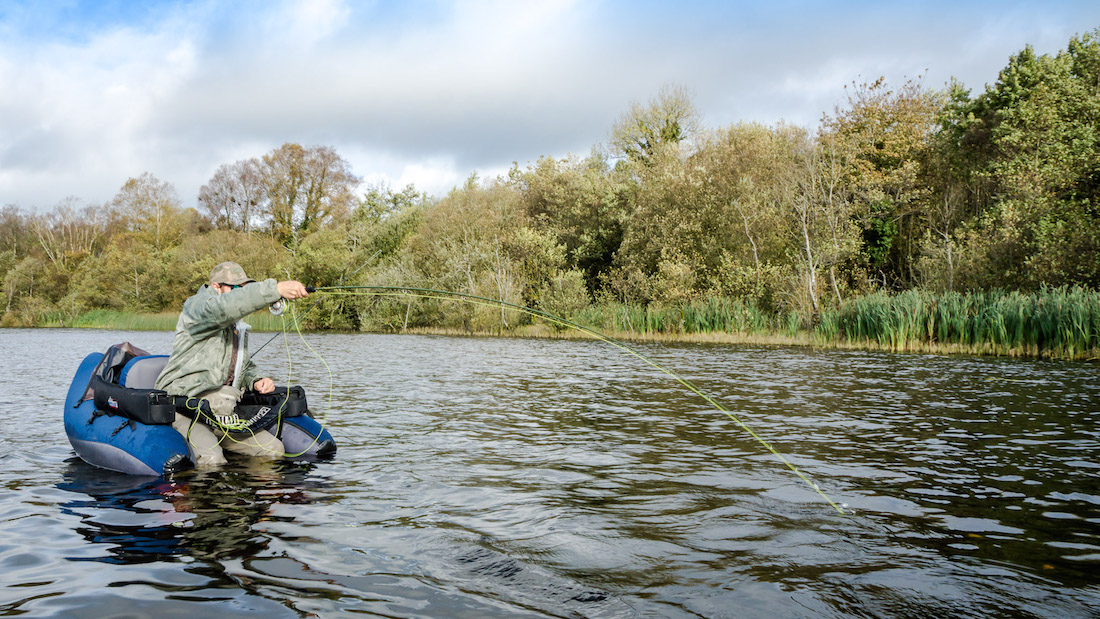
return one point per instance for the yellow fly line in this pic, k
(444, 295)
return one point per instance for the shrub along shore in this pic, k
(1057, 323)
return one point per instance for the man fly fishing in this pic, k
(210, 361)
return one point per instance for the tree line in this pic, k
(901, 187)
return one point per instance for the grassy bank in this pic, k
(1061, 323)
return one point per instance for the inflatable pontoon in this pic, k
(116, 420)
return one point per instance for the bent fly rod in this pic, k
(279, 306)
(445, 295)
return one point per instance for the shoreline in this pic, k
(265, 323)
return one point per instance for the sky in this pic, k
(93, 93)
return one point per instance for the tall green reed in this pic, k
(1059, 322)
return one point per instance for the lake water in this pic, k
(481, 477)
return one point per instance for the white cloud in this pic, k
(79, 112)
(429, 92)
(435, 176)
(314, 20)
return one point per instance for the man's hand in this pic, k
(291, 289)
(264, 385)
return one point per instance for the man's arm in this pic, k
(251, 380)
(219, 311)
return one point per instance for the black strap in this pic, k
(97, 414)
(128, 422)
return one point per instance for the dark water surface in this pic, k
(490, 477)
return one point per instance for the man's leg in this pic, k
(262, 443)
(203, 442)
(207, 444)
(223, 401)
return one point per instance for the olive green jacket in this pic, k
(202, 355)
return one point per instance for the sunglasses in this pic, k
(232, 286)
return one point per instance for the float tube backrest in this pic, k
(142, 372)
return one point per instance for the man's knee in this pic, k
(223, 400)
(262, 443)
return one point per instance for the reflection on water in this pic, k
(203, 515)
(486, 477)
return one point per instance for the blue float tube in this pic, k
(305, 438)
(116, 443)
(119, 444)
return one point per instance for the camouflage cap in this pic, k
(229, 273)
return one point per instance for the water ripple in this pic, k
(484, 477)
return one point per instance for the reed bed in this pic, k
(1059, 323)
(1053, 322)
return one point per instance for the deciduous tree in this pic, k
(150, 208)
(884, 133)
(306, 188)
(1032, 142)
(644, 131)
(234, 197)
(68, 232)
